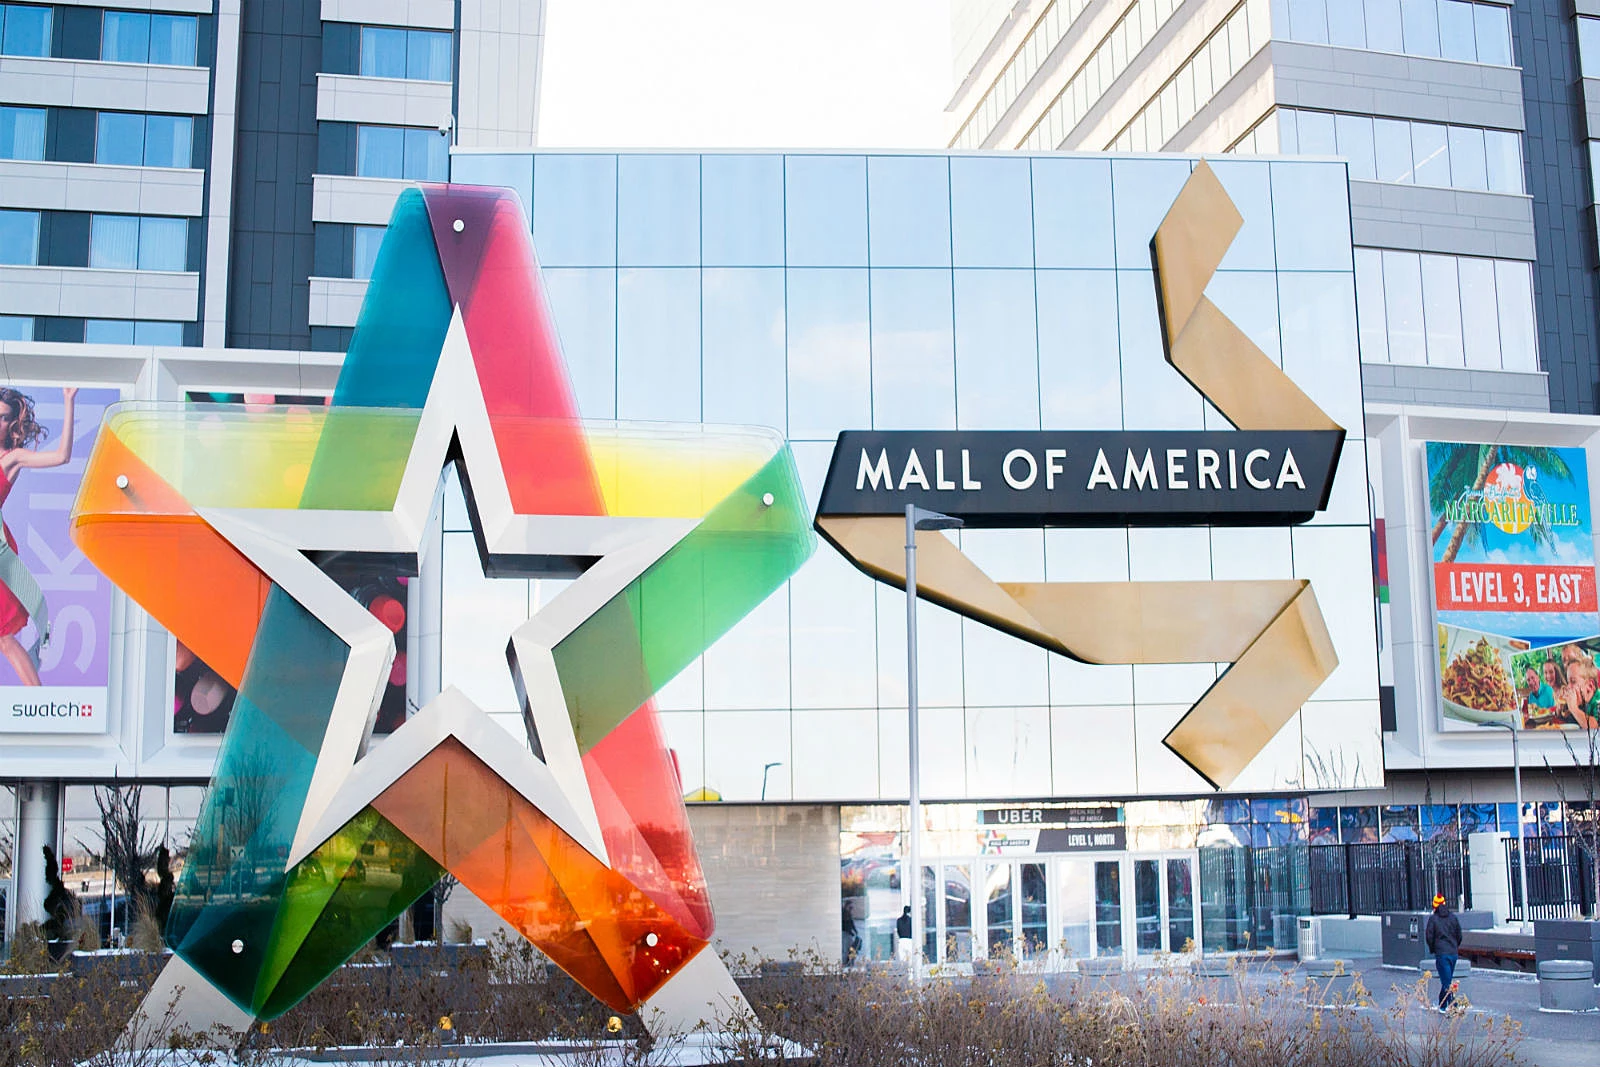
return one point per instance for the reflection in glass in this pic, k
(1079, 387)
(1383, 25)
(1143, 190)
(1480, 327)
(1354, 134)
(908, 209)
(913, 350)
(991, 211)
(575, 210)
(1072, 213)
(1076, 903)
(658, 211)
(1430, 161)
(825, 209)
(830, 362)
(1154, 395)
(998, 900)
(1180, 905)
(1402, 293)
(997, 359)
(1108, 908)
(478, 617)
(743, 347)
(1311, 206)
(930, 915)
(583, 302)
(511, 171)
(1441, 301)
(1419, 24)
(741, 210)
(1034, 892)
(1513, 286)
(1147, 906)
(957, 914)
(658, 344)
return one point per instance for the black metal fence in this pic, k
(1560, 878)
(1365, 879)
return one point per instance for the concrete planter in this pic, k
(1566, 985)
(1100, 966)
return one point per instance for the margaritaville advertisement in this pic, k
(1514, 585)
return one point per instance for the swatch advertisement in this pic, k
(1514, 586)
(55, 608)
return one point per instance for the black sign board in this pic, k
(1084, 839)
(999, 478)
(1050, 815)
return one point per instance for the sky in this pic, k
(745, 74)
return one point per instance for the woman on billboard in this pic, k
(20, 596)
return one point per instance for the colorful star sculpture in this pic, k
(309, 843)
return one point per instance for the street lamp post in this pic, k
(1522, 850)
(764, 771)
(916, 519)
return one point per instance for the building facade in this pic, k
(218, 172)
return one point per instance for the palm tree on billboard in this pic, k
(1464, 473)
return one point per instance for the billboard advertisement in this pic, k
(55, 608)
(1514, 585)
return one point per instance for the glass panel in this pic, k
(1108, 908)
(1308, 21)
(168, 141)
(427, 156)
(1310, 206)
(1180, 905)
(163, 244)
(108, 332)
(16, 327)
(173, 39)
(1147, 906)
(584, 302)
(1080, 387)
(830, 362)
(658, 344)
(658, 211)
(1345, 24)
(1035, 906)
(1430, 160)
(428, 55)
(930, 916)
(383, 52)
(957, 914)
(1383, 25)
(826, 211)
(1372, 325)
(1355, 144)
(1456, 33)
(1467, 163)
(158, 333)
(997, 358)
(27, 31)
(125, 37)
(1075, 901)
(1316, 130)
(997, 894)
(1419, 23)
(1441, 311)
(742, 350)
(741, 201)
(1392, 141)
(1513, 288)
(22, 132)
(913, 350)
(1480, 317)
(1288, 131)
(908, 211)
(119, 138)
(380, 151)
(1072, 213)
(575, 210)
(1503, 155)
(365, 252)
(1493, 25)
(114, 242)
(510, 171)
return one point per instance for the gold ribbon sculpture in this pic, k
(1271, 631)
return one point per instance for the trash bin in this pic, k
(1309, 937)
(1566, 985)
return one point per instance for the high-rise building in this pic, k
(1464, 124)
(219, 172)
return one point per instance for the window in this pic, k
(367, 240)
(1412, 153)
(1445, 311)
(131, 139)
(126, 332)
(395, 152)
(24, 30)
(21, 133)
(1448, 29)
(19, 237)
(134, 242)
(140, 37)
(1589, 46)
(16, 327)
(388, 52)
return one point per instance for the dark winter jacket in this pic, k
(1443, 932)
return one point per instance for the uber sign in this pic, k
(1086, 478)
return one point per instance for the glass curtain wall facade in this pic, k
(818, 293)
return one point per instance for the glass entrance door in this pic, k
(1161, 904)
(1089, 906)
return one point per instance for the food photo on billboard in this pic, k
(1514, 585)
(55, 608)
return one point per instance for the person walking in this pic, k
(902, 933)
(1443, 935)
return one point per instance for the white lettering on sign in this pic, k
(967, 480)
(875, 474)
(1289, 472)
(939, 480)
(1033, 468)
(1250, 461)
(1101, 475)
(1208, 462)
(1052, 467)
(913, 472)
(1145, 471)
(1177, 477)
